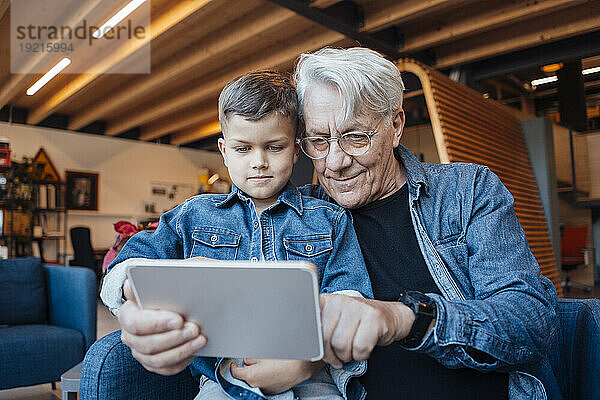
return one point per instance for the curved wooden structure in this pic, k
(470, 128)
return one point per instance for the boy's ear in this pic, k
(221, 146)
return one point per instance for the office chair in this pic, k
(573, 249)
(82, 248)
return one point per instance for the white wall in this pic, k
(125, 167)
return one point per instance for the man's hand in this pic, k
(274, 376)
(353, 326)
(160, 340)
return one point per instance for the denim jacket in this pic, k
(494, 298)
(227, 227)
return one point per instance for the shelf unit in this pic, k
(29, 227)
(16, 208)
(50, 221)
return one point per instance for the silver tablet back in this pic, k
(254, 310)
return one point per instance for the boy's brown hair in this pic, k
(258, 94)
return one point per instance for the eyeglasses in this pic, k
(353, 143)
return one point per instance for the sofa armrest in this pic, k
(72, 301)
(109, 372)
(575, 357)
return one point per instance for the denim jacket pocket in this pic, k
(452, 240)
(455, 254)
(313, 248)
(217, 243)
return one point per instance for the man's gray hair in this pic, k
(365, 79)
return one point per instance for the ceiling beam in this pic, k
(191, 135)
(573, 21)
(190, 58)
(323, 3)
(174, 15)
(574, 47)
(488, 20)
(176, 123)
(19, 81)
(213, 86)
(393, 12)
(507, 88)
(346, 18)
(4, 4)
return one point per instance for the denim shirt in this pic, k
(227, 227)
(494, 298)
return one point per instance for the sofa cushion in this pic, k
(22, 292)
(37, 354)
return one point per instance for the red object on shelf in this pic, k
(4, 158)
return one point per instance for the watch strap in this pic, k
(424, 309)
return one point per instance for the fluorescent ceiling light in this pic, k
(62, 64)
(118, 17)
(542, 81)
(590, 70)
(554, 78)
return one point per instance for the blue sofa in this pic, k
(47, 320)
(109, 371)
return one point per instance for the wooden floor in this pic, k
(106, 324)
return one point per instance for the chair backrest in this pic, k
(575, 358)
(574, 239)
(82, 247)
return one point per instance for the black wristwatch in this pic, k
(425, 311)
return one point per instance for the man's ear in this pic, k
(398, 124)
(221, 146)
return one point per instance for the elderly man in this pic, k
(460, 309)
(449, 231)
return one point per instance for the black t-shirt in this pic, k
(395, 263)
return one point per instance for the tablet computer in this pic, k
(254, 310)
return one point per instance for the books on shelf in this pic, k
(51, 224)
(60, 196)
(50, 196)
(42, 197)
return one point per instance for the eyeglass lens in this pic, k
(352, 143)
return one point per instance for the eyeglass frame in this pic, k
(330, 139)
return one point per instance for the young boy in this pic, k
(264, 217)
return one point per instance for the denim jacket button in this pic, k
(255, 224)
(214, 238)
(308, 248)
(254, 259)
(460, 259)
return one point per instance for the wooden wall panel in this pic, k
(470, 128)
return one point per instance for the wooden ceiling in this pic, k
(199, 45)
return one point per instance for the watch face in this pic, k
(421, 303)
(418, 296)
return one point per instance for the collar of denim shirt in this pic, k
(416, 176)
(290, 196)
